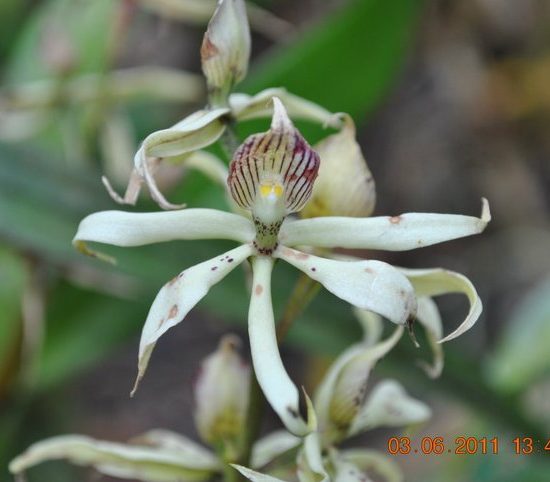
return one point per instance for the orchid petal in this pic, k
(200, 129)
(434, 282)
(389, 405)
(180, 295)
(398, 233)
(429, 317)
(369, 285)
(121, 228)
(310, 461)
(348, 472)
(255, 476)
(272, 446)
(347, 378)
(372, 460)
(278, 388)
(120, 460)
(186, 448)
(372, 325)
(245, 107)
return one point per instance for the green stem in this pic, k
(304, 291)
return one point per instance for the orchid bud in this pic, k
(345, 186)
(221, 394)
(225, 49)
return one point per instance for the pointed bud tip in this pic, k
(280, 120)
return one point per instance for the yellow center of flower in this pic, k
(271, 190)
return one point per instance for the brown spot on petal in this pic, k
(214, 268)
(208, 49)
(173, 311)
(301, 256)
(395, 219)
(259, 290)
(369, 270)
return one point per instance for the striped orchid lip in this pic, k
(272, 173)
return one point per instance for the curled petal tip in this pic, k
(485, 210)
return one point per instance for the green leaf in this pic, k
(83, 25)
(348, 61)
(13, 277)
(522, 354)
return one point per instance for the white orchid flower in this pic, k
(272, 176)
(155, 456)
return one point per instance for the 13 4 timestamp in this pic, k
(464, 445)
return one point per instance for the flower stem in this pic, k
(304, 291)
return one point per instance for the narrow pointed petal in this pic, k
(196, 131)
(429, 317)
(372, 325)
(434, 282)
(245, 107)
(278, 388)
(373, 461)
(120, 460)
(369, 285)
(310, 461)
(389, 405)
(272, 446)
(341, 393)
(255, 476)
(398, 233)
(200, 129)
(121, 228)
(186, 448)
(180, 295)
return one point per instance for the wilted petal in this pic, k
(434, 282)
(374, 461)
(245, 107)
(186, 448)
(271, 446)
(221, 394)
(225, 49)
(255, 476)
(340, 395)
(278, 388)
(345, 186)
(120, 228)
(369, 285)
(120, 460)
(389, 405)
(398, 233)
(429, 317)
(180, 295)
